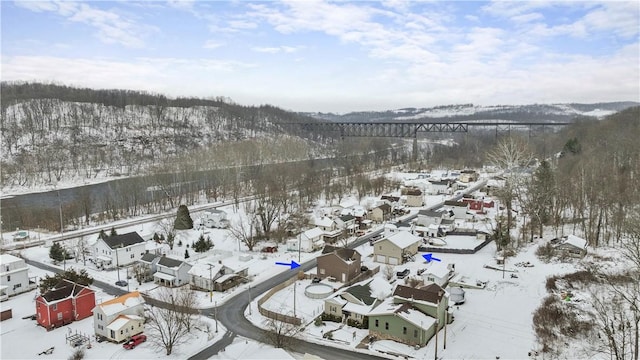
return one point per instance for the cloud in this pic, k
(212, 44)
(111, 27)
(277, 49)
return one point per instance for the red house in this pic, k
(65, 303)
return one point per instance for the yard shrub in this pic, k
(545, 252)
(329, 317)
(357, 324)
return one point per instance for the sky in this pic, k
(332, 56)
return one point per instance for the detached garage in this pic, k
(394, 249)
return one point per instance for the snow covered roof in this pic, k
(324, 221)
(313, 233)
(205, 270)
(121, 321)
(437, 268)
(403, 239)
(119, 304)
(8, 259)
(576, 241)
(417, 318)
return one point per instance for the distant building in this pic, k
(14, 276)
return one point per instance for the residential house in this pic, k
(171, 272)
(14, 276)
(347, 223)
(459, 209)
(211, 275)
(65, 303)
(572, 245)
(414, 197)
(429, 217)
(381, 213)
(474, 204)
(397, 248)
(118, 250)
(411, 316)
(331, 231)
(340, 263)
(439, 272)
(468, 176)
(390, 199)
(308, 241)
(353, 304)
(120, 318)
(440, 187)
(147, 266)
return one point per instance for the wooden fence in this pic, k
(274, 315)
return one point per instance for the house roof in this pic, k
(390, 198)
(456, 203)
(121, 303)
(323, 221)
(432, 293)
(362, 292)
(8, 259)
(343, 253)
(441, 182)
(124, 240)
(414, 192)
(415, 316)
(169, 262)
(430, 213)
(313, 233)
(148, 257)
(205, 270)
(62, 290)
(386, 208)
(576, 241)
(121, 321)
(347, 217)
(403, 239)
(437, 268)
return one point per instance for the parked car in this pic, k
(134, 341)
(315, 280)
(270, 249)
(121, 283)
(402, 274)
(364, 268)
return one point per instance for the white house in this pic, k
(459, 208)
(171, 272)
(309, 241)
(215, 218)
(347, 223)
(325, 223)
(439, 272)
(120, 318)
(439, 187)
(573, 245)
(14, 276)
(119, 250)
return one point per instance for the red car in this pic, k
(270, 249)
(134, 341)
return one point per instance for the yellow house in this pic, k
(395, 249)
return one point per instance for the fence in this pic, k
(274, 315)
(454, 251)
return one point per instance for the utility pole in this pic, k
(294, 298)
(435, 353)
(446, 320)
(64, 259)
(215, 314)
(210, 284)
(118, 262)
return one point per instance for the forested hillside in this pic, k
(52, 133)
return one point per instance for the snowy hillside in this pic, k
(471, 112)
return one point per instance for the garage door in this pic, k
(393, 260)
(380, 258)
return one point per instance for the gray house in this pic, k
(171, 272)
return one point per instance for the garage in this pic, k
(380, 258)
(393, 260)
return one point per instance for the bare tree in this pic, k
(388, 272)
(243, 232)
(170, 325)
(280, 334)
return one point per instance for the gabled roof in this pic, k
(124, 240)
(343, 253)
(323, 221)
(8, 259)
(430, 213)
(390, 198)
(403, 239)
(414, 192)
(149, 257)
(62, 290)
(362, 292)
(313, 233)
(456, 203)
(169, 262)
(386, 208)
(121, 303)
(430, 293)
(346, 218)
(576, 241)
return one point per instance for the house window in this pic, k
(59, 316)
(132, 256)
(415, 333)
(121, 332)
(386, 326)
(54, 307)
(377, 323)
(322, 271)
(380, 247)
(404, 330)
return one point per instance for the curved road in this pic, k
(231, 313)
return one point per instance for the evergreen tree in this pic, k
(186, 253)
(82, 278)
(183, 219)
(113, 232)
(57, 253)
(102, 235)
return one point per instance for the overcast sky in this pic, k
(332, 56)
